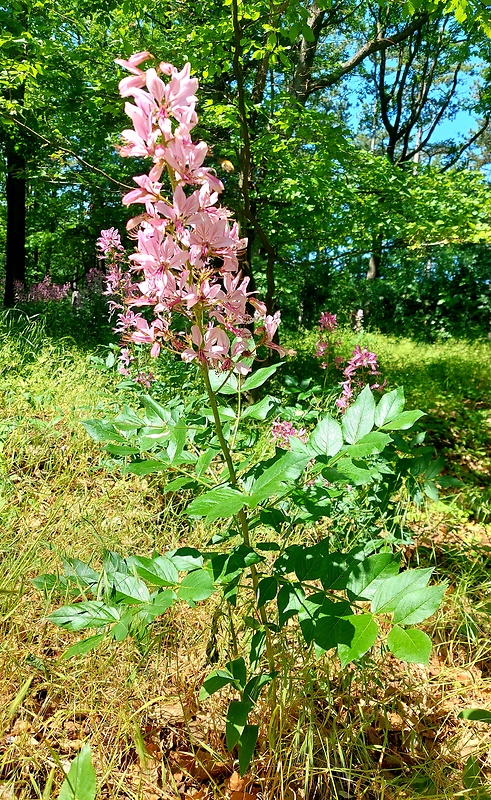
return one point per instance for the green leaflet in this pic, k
(392, 590)
(359, 418)
(218, 503)
(89, 614)
(364, 637)
(411, 645)
(389, 406)
(195, 586)
(419, 604)
(80, 782)
(326, 439)
(403, 421)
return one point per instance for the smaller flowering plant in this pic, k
(325, 344)
(282, 431)
(358, 372)
(42, 292)
(361, 367)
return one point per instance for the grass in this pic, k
(451, 383)
(385, 731)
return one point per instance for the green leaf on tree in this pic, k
(160, 603)
(290, 599)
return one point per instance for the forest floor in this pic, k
(384, 731)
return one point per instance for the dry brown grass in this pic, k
(387, 731)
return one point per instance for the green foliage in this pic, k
(320, 197)
(80, 782)
(324, 590)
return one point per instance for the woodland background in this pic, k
(353, 140)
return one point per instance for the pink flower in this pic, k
(359, 368)
(213, 347)
(46, 291)
(282, 431)
(327, 322)
(186, 258)
(361, 359)
(109, 242)
(144, 379)
(324, 347)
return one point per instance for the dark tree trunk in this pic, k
(15, 268)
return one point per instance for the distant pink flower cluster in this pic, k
(186, 261)
(360, 367)
(117, 280)
(328, 322)
(41, 292)
(325, 344)
(126, 360)
(109, 242)
(282, 431)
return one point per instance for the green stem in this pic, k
(244, 524)
(239, 409)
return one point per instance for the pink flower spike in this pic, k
(186, 257)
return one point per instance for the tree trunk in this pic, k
(15, 268)
(373, 271)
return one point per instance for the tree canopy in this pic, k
(333, 126)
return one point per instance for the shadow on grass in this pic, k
(86, 326)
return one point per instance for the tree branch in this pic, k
(68, 151)
(376, 45)
(466, 145)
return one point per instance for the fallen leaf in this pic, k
(236, 783)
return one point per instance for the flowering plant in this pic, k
(186, 266)
(42, 292)
(183, 292)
